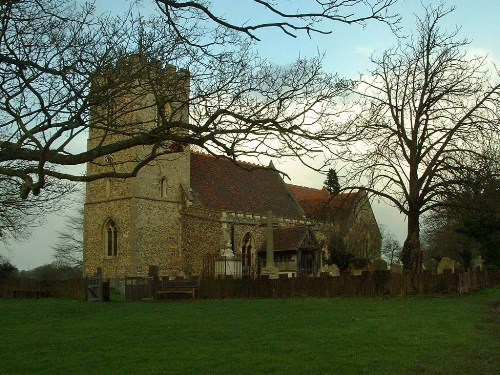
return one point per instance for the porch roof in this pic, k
(292, 238)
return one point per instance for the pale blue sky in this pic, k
(347, 52)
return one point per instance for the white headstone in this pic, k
(477, 263)
(332, 270)
(446, 264)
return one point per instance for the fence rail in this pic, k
(139, 289)
(32, 288)
(369, 284)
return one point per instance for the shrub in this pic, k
(7, 269)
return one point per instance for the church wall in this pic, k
(95, 253)
(208, 232)
(158, 238)
(362, 234)
(258, 233)
(153, 215)
(157, 216)
(146, 208)
(201, 234)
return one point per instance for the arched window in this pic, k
(163, 187)
(111, 239)
(163, 112)
(246, 252)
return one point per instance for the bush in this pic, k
(7, 269)
(359, 262)
(53, 272)
(338, 254)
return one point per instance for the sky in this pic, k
(346, 51)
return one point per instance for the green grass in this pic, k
(409, 335)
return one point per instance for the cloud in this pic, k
(491, 61)
(364, 51)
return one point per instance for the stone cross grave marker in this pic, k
(270, 270)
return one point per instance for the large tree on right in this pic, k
(425, 107)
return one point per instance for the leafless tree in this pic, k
(391, 247)
(68, 250)
(426, 106)
(18, 216)
(52, 54)
(311, 16)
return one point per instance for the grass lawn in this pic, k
(408, 335)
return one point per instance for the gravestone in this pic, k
(396, 268)
(228, 265)
(331, 270)
(379, 265)
(446, 264)
(477, 263)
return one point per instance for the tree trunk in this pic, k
(412, 251)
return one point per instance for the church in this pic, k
(185, 209)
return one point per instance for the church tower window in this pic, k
(111, 239)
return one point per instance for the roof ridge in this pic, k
(339, 195)
(306, 187)
(259, 166)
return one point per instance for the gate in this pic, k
(97, 289)
(94, 289)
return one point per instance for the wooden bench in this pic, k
(183, 286)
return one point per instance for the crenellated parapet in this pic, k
(138, 94)
(259, 219)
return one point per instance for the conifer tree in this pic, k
(332, 182)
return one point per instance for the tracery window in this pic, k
(246, 251)
(111, 239)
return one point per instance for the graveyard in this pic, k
(438, 334)
(255, 190)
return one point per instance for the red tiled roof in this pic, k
(287, 238)
(222, 184)
(301, 192)
(320, 205)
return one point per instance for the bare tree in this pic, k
(68, 250)
(18, 216)
(310, 17)
(426, 106)
(391, 247)
(57, 60)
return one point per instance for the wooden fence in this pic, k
(32, 288)
(139, 289)
(369, 284)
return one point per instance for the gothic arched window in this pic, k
(246, 252)
(111, 239)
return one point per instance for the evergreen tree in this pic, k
(332, 182)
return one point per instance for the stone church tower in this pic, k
(135, 222)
